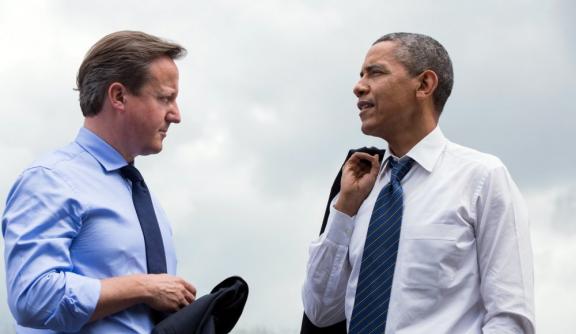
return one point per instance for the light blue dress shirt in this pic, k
(69, 222)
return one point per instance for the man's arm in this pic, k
(41, 220)
(504, 255)
(328, 268)
(160, 291)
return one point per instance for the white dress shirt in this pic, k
(464, 260)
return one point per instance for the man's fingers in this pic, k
(185, 302)
(189, 298)
(190, 288)
(361, 163)
(375, 164)
(361, 155)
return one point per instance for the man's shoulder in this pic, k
(51, 171)
(466, 156)
(59, 159)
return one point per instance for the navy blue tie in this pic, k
(379, 257)
(155, 256)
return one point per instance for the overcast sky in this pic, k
(268, 115)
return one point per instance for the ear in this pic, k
(117, 96)
(428, 81)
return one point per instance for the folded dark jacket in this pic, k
(215, 313)
(339, 328)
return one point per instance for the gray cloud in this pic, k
(268, 115)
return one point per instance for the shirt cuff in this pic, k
(339, 227)
(81, 298)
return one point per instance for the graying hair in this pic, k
(419, 53)
(123, 57)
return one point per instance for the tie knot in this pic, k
(131, 173)
(400, 168)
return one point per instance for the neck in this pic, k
(405, 138)
(109, 134)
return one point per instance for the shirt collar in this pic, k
(105, 154)
(427, 151)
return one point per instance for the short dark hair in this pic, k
(124, 57)
(419, 53)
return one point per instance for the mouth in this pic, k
(363, 105)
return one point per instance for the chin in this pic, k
(367, 129)
(157, 146)
(152, 150)
(371, 131)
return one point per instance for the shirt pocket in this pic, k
(431, 255)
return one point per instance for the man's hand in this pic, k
(168, 293)
(159, 291)
(358, 177)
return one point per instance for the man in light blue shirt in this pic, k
(74, 249)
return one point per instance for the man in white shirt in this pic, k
(462, 260)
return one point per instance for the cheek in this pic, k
(158, 115)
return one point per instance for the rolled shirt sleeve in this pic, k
(328, 271)
(43, 215)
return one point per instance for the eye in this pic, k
(164, 99)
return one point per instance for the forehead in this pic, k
(163, 71)
(382, 53)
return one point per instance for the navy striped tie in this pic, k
(379, 257)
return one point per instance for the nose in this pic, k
(361, 88)
(173, 115)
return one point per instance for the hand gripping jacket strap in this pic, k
(215, 313)
(339, 328)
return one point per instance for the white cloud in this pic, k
(554, 278)
(268, 115)
(554, 244)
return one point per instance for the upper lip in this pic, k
(364, 104)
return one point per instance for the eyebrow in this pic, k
(166, 92)
(370, 68)
(163, 94)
